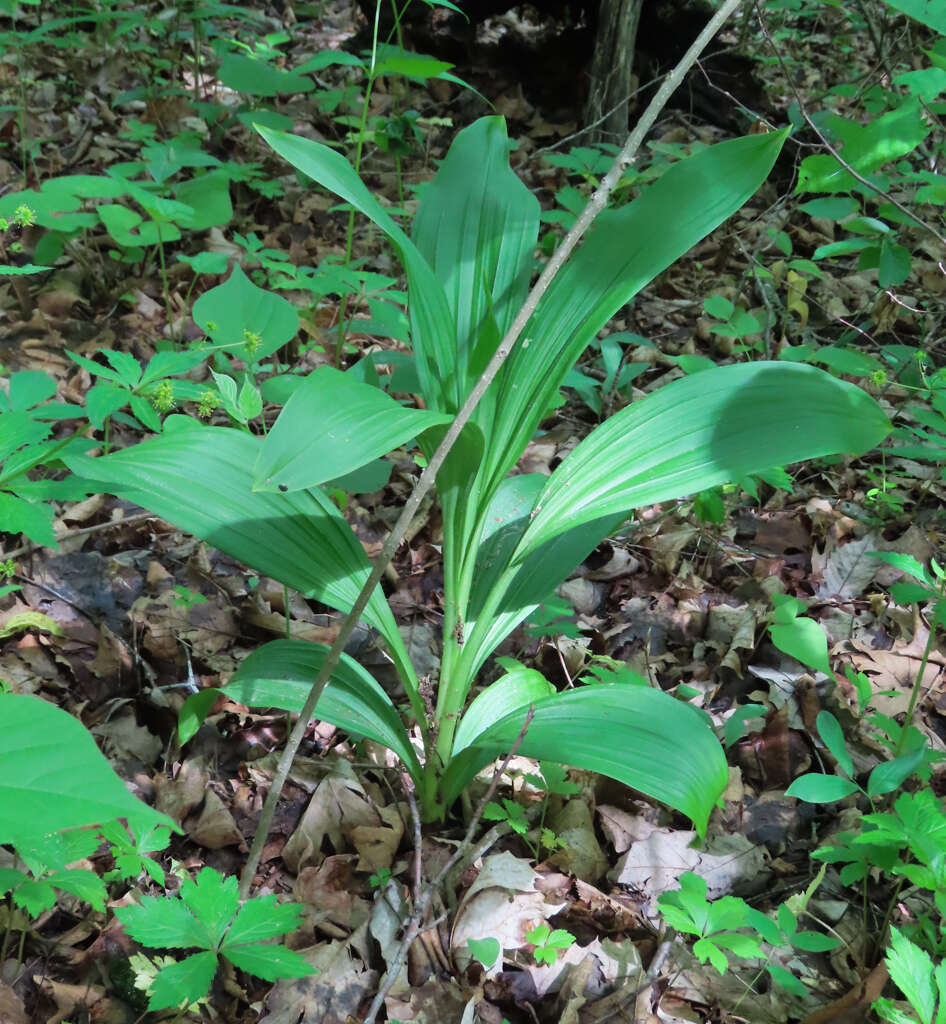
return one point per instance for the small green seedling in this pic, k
(131, 855)
(187, 598)
(884, 778)
(797, 636)
(548, 943)
(149, 392)
(243, 404)
(485, 951)
(736, 321)
(207, 916)
(718, 925)
(45, 860)
(554, 780)
(380, 878)
(512, 813)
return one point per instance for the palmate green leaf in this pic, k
(53, 777)
(477, 228)
(9, 878)
(164, 922)
(213, 900)
(200, 478)
(433, 331)
(516, 690)
(183, 982)
(84, 884)
(280, 675)
(33, 519)
(19, 428)
(262, 918)
(332, 425)
(624, 250)
(35, 896)
(700, 432)
(639, 736)
(911, 970)
(268, 962)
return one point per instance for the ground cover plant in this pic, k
(273, 395)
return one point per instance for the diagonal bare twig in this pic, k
(422, 897)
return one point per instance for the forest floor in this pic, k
(145, 615)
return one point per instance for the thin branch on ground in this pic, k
(82, 531)
(424, 895)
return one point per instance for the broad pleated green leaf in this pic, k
(280, 675)
(516, 690)
(526, 585)
(639, 736)
(53, 776)
(332, 425)
(702, 431)
(625, 249)
(500, 597)
(200, 478)
(434, 334)
(477, 228)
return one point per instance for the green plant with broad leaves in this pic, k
(879, 149)
(53, 777)
(207, 915)
(730, 927)
(54, 782)
(549, 943)
(898, 853)
(150, 391)
(508, 539)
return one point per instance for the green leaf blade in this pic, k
(200, 478)
(477, 228)
(268, 962)
(700, 432)
(53, 777)
(629, 733)
(263, 918)
(821, 789)
(250, 321)
(183, 982)
(433, 330)
(163, 922)
(280, 674)
(213, 900)
(332, 425)
(625, 249)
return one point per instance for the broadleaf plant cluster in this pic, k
(509, 538)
